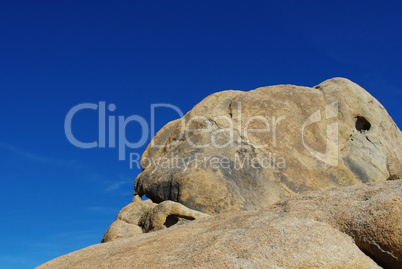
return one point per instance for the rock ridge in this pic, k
(347, 227)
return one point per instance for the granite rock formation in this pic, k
(245, 150)
(145, 216)
(347, 227)
(278, 177)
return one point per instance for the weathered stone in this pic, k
(335, 134)
(169, 213)
(127, 222)
(349, 227)
(145, 216)
(370, 213)
(119, 230)
(363, 145)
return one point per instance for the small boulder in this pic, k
(127, 223)
(167, 214)
(119, 230)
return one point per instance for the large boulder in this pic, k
(348, 227)
(240, 150)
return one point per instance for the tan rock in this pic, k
(120, 229)
(323, 229)
(145, 216)
(355, 141)
(169, 213)
(127, 222)
(370, 213)
(133, 211)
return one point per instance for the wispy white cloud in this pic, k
(44, 160)
(14, 261)
(78, 236)
(118, 185)
(103, 209)
(52, 246)
(114, 186)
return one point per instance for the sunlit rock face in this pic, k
(348, 227)
(240, 150)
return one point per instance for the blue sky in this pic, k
(56, 198)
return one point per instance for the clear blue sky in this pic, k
(56, 198)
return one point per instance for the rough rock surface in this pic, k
(169, 213)
(214, 160)
(145, 216)
(370, 213)
(349, 227)
(249, 152)
(127, 222)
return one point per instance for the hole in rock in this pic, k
(171, 220)
(361, 124)
(174, 219)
